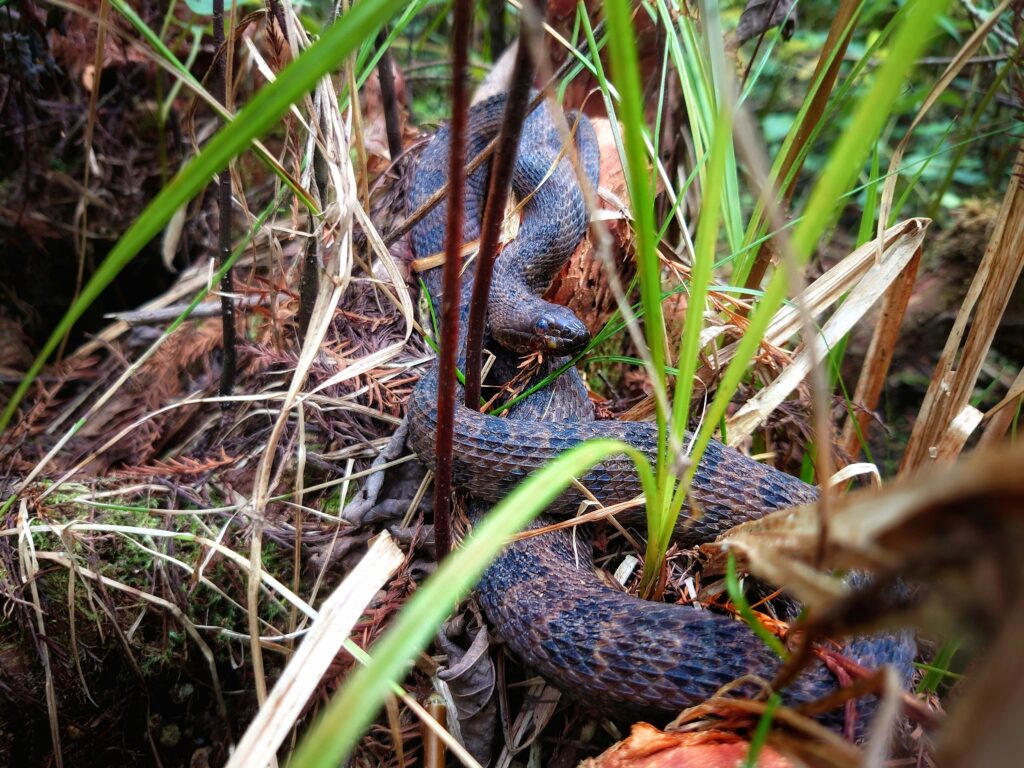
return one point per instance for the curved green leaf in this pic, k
(349, 713)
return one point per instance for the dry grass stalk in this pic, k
(171, 608)
(274, 588)
(880, 350)
(1000, 416)
(957, 370)
(29, 568)
(336, 227)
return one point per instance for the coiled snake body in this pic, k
(542, 595)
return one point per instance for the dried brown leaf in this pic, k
(469, 684)
(648, 747)
(958, 521)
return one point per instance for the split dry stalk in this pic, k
(946, 415)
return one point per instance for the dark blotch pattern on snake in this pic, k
(542, 595)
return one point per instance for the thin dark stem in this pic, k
(496, 22)
(494, 211)
(386, 75)
(309, 281)
(227, 302)
(452, 268)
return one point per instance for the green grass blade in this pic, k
(696, 52)
(732, 585)
(938, 670)
(758, 223)
(622, 45)
(873, 110)
(258, 116)
(348, 714)
(700, 281)
(760, 737)
(639, 180)
(867, 219)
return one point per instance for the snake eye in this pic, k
(542, 325)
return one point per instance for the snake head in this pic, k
(537, 326)
(559, 331)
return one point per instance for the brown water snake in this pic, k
(542, 595)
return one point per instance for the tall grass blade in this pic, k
(622, 45)
(258, 116)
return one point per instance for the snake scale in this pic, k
(542, 595)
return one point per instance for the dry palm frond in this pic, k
(859, 280)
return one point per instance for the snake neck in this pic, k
(554, 221)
